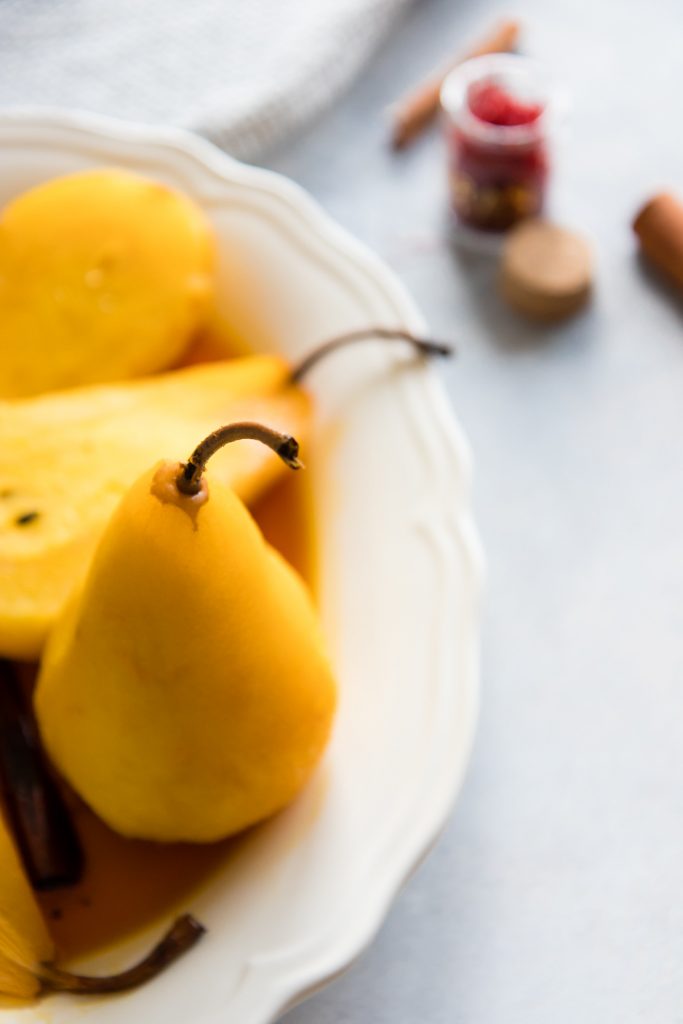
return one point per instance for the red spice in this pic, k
(493, 104)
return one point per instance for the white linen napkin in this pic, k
(243, 72)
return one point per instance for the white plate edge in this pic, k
(223, 167)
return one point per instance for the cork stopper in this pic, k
(546, 270)
(659, 227)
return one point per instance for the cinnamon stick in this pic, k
(418, 107)
(46, 838)
(659, 227)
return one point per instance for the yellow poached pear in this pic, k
(104, 275)
(185, 693)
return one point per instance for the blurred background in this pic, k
(554, 894)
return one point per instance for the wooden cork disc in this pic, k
(546, 270)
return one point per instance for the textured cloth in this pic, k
(242, 72)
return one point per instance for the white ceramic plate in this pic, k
(400, 580)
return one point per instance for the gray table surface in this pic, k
(554, 894)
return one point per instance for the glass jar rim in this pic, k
(454, 98)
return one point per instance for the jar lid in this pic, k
(546, 271)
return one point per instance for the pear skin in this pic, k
(24, 939)
(67, 458)
(104, 275)
(185, 693)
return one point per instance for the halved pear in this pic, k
(66, 459)
(24, 939)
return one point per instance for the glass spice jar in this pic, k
(498, 109)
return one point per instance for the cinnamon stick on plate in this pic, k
(36, 810)
(417, 108)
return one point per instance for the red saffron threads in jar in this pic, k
(491, 103)
(498, 148)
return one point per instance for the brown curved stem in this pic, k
(287, 447)
(425, 346)
(184, 933)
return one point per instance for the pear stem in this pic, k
(188, 480)
(183, 934)
(425, 346)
